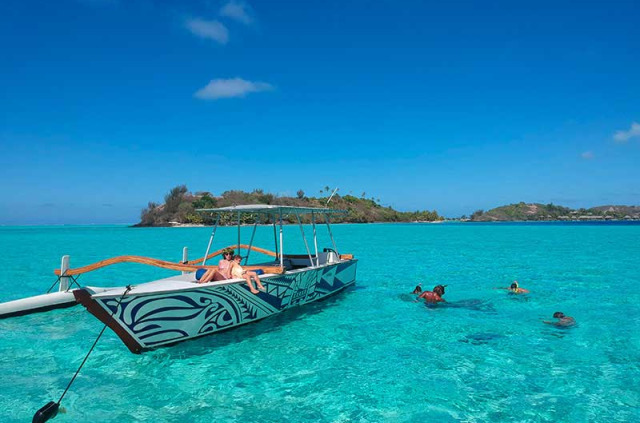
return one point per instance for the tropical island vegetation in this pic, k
(547, 212)
(180, 205)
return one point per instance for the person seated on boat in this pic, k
(222, 272)
(209, 275)
(224, 265)
(562, 321)
(238, 272)
(434, 296)
(417, 289)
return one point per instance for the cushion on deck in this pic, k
(199, 273)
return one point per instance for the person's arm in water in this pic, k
(565, 321)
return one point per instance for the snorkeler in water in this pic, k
(514, 288)
(562, 320)
(434, 296)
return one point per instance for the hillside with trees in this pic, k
(180, 206)
(545, 212)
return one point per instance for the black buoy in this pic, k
(47, 412)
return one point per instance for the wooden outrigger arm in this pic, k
(233, 247)
(189, 266)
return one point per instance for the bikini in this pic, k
(223, 268)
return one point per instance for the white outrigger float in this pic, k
(176, 309)
(62, 298)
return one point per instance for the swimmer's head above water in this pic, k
(563, 320)
(439, 289)
(514, 285)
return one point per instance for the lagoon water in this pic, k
(369, 354)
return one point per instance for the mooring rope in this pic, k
(126, 291)
(50, 410)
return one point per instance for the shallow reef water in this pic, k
(368, 354)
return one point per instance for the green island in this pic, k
(551, 212)
(179, 209)
(180, 206)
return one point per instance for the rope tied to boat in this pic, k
(74, 280)
(50, 410)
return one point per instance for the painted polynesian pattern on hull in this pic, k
(155, 320)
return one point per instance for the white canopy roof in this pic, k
(272, 209)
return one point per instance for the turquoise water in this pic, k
(367, 355)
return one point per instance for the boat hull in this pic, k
(149, 321)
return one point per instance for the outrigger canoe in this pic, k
(177, 308)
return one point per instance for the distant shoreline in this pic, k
(599, 222)
(445, 222)
(452, 221)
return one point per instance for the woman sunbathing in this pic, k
(222, 272)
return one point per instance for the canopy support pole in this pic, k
(304, 238)
(238, 233)
(213, 234)
(255, 225)
(281, 245)
(315, 237)
(275, 235)
(335, 247)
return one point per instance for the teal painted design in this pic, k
(166, 318)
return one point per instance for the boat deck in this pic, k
(181, 283)
(172, 283)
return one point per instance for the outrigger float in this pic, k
(176, 309)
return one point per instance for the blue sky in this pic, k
(455, 106)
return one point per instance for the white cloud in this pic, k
(237, 10)
(624, 136)
(229, 88)
(587, 155)
(212, 30)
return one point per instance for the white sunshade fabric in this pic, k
(272, 209)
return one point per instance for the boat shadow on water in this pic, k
(204, 345)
